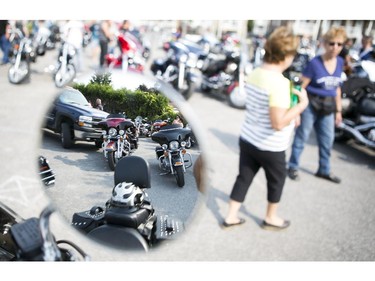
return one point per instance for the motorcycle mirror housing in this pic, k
(159, 197)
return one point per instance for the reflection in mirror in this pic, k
(125, 159)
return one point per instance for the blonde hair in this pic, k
(280, 44)
(335, 32)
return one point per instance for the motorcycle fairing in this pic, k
(169, 133)
(111, 146)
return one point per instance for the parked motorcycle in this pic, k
(21, 55)
(42, 40)
(55, 36)
(128, 221)
(31, 239)
(220, 71)
(120, 138)
(144, 43)
(143, 127)
(171, 154)
(158, 124)
(65, 71)
(358, 106)
(128, 55)
(178, 68)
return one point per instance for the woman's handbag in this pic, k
(322, 105)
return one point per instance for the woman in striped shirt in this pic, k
(268, 127)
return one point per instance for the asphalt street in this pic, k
(329, 222)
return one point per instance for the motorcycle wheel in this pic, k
(64, 78)
(180, 176)
(20, 74)
(112, 160)
(186, 93)
(236, 98)
(66, 136)
(204, 88)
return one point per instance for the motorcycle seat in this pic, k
(119, 216)
(119, 237)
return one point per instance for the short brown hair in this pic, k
(335, 32)
(280, 44)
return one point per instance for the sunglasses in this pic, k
(335, 43)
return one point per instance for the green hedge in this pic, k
(143, 101)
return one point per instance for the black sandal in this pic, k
(227, 225)
(268, 226)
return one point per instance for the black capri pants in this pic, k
(251, 160)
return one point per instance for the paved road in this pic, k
(84, 179)
(329, 222)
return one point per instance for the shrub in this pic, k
(146, 102)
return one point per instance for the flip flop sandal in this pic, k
(268, 226)
(226, 225)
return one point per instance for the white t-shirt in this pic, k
(265, 89)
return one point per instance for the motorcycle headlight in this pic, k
(231, 67)
(104, 132)
(183, 143)
(164, 146)
(183, 58)
(121, 132)
(112, 132)
(28, 49)
(200, 64)
(173, 145)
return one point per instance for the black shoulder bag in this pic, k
(322, 105)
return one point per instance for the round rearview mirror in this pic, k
(126, 159)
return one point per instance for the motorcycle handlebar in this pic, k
(51, 251)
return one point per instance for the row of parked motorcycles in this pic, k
(131, 52)
(121, 136)
(25, 50)
(213, 67)
(128, 220)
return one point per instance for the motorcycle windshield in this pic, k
(110, 122)
(126, 125)
(169, 133)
